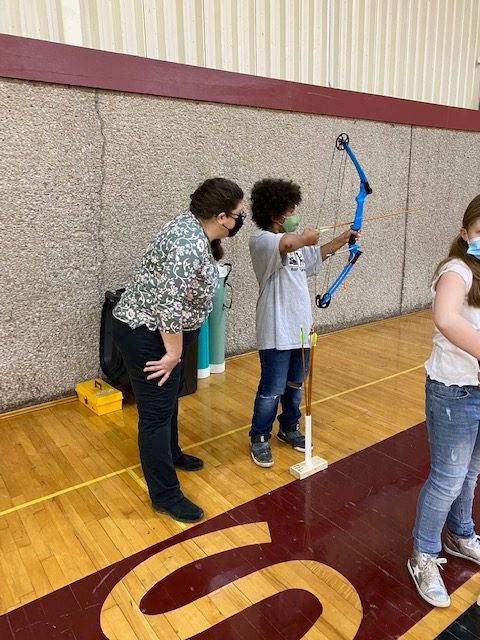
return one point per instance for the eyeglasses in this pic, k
(240, 214)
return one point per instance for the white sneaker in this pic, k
(423, 568)
(466, 548)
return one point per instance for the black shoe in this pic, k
(294, 437)
(260, 451)
(183, 511)
(188, 463)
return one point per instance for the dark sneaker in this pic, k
(294, 438)
(188, 463)
(423, 568)
(466, 548)
(261, 452)
(183, 511)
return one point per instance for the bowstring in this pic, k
(340, 180)
(320, 211)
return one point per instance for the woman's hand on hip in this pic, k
(161, 368)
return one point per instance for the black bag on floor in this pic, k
(111, 361)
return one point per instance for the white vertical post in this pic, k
(308, 440)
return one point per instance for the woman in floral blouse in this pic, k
(158, 317)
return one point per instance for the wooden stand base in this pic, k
(302, 470)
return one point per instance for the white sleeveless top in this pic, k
(448, 363)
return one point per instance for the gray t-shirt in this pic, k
(283, 304)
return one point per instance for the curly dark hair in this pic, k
(270, 198)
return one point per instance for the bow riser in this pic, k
(358, 219)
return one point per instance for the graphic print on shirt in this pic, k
(294, 261)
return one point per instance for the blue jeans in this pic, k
(281, 379)
(453, 415)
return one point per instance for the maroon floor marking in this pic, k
(355, 517)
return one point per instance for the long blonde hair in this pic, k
(458, 249)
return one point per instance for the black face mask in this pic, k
(237, 226)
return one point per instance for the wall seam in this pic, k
(405, 231)
(101, 206)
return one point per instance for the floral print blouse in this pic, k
(174, 286)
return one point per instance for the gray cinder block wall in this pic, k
(88, 177)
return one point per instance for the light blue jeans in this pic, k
(453, 415)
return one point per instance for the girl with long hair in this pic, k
(453, 414)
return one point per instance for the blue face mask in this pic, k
(474, 247)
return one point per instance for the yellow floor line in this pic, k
(137, 479)
(326, 399)
(68, 490)
(369, 384)
(191, 446)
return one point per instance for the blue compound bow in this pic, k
(354, 251)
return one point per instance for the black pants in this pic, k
(157, 408)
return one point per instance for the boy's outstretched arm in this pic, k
(337, 243)
(293, 241)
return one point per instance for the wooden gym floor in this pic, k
(83, 556)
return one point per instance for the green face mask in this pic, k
(290, 224)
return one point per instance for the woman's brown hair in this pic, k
(458, 249)
(214, 196)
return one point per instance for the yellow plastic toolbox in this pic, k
(99, 396)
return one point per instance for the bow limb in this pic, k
(363, 192)
(324, 301)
